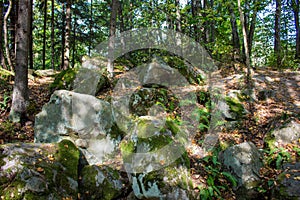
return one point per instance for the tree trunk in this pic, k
(5, 26)
(13, 27)
(196, 5)
(234, 34)
(212, 24)
(74, 42)
(20, 91)
(295, 5)
(178, 16)
(252, 28)
(91, 29)
(112, 32)
(30, 13)
(277, 45)
(66, 62)
(44, 34)
(63, 33)
(52, 35)
(2, 58)
(245, 37)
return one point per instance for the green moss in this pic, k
(235, 106)
(98, 183)
(64, 79)
(68, 156)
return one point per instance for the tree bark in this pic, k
(277, 45)
(178, 16)
(112, 32)
(2, 58)
(63, 33)
(234, 34)
(91, 29)
(20, 91)
(52, 35)
(295, 6)
(252, 28)
(44, 34)
(30, 42)
(245, 37)
(74, 41)
(13, 27)
(66, 62)
(5, 26)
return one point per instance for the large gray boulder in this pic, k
(287, 134)
(102, 182)
(244, 162)
(39, 171)
(89, 81)
(288, 186)
(84, 119)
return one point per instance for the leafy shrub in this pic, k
(217, 180)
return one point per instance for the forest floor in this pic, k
(266, 114)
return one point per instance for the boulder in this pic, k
(39, 171)
(244, 162)
(155, 159)
(288, 182)
(101, 182)
(89, 81)
(288, 133)
(171, 182)
(84, 119)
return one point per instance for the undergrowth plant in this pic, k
(277, 156)
(217, 180)
(4, 102)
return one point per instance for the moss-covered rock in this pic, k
(155, 156)
(64, 80)
(39, 171)
(288, 183)
(100, 182)
(171, 182)
(82, 80)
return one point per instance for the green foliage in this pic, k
(7, 128)
(64, 80)
(217, 180)
(277, 156)
(4, 102)
(235, 106)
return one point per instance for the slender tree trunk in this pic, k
(277, 45)
(2, 58)
(196, 5)
(13, 24)
(20, 91)
(112, 32)
(178, 16)
(5, 26)
(30, 42)
(252, 28)
(234, 34)
(212, 24)
(67, 36)
(205, 24)
(245, 37)
(63, 37)
(74, 41)
(91, 29)
(44, 34)
(52, 35)
(295, 6)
